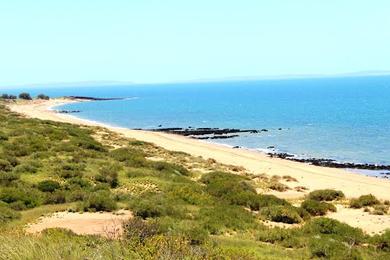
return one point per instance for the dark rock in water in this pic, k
(271, 147)
(223, 136)
(385, 173)
(280, 155)
(214, 137)
(93, 98)
(159, 125)
(330, 162)
(236, 147)
(204, 131)
(68, 111)
(280, 129)
(264, 130)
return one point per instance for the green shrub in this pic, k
(71, 170)
(27, 197)
(234, 189)
(5, 166)
(25, 96)
(27, 168)
(336, 229)
(3, 136)
(171, 168)
(364, 201)
(382, 242)
(277, 186)
(140, 172)
(155, 205)
(219, 218)
(137, 229)
(317, 208)
(78, 182)
(7, 214)
(380, 209)
(99, 201)
(48, 186)
(109, 174)
(43, 96)
(326, 195)
(191, 193)
(132, 158)
(88, 143)
(328, 248)
(6, 178)
(273, 235)
(56, 197)
(264, 200)
(284, 214)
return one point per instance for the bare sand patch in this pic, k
(371, 224)
(106, 224)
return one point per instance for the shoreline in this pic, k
(256, 162)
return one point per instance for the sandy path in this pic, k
(309, 176)
(105, 224)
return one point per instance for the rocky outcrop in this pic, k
(92, 98)
(330, 162)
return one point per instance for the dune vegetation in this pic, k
(183, 206)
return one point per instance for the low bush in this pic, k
(382, 242)
(6, 178)
(329, 248)
(364, 201)
(232, 188)
(335, 229)
(273, 235)
(71, 170)
(23, 197)
(155, 205)
(43, 96)
(192, 194)
(284, 214)
(5, 165)
(3, 136)
(138, 230)
(132, 158)
(78, 182)
(277, 186)
(264, 200)
(48, 186)
(25, 96)
(109, 174)
(219, 218)
(7, 214)
(380, 210)
(317, 208)
(56, 197)
(171, 168)
(99, 201)
(27, 167)
(326, 195)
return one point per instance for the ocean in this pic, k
(341, 118)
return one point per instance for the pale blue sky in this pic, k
(173, 40)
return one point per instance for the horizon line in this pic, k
(204, 80)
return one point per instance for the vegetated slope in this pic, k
(181, 206)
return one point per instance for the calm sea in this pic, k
(347, 119)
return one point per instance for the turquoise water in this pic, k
(347, 119)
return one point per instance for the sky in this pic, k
(151, 41)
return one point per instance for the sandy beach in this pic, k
(309, 176)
